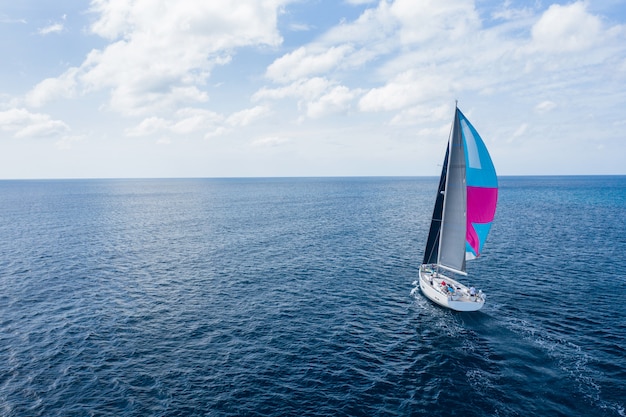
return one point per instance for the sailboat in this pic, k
(464, 210)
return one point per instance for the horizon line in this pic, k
(299, 177)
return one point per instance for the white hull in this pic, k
(460, 300)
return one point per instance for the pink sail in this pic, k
(481, 209)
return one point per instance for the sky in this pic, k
(275, 88)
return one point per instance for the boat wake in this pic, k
(497, 351)
(574, 361)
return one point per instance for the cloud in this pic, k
(424, 20)
(567, 28)
(63, 86)
(520, 131)
(506, 12)
(53, 28)
(399, 37)
(185, 121)
(161, 53)
(8, 20)
(148, 126)
(406, 89)
(317, 96)
(422, 114)
(360, 2)
(189, 121)
(306, 61)
(336, 100)
(405, 32)
(247, 116)
(430, 51)
(299, 27)
(342, 49)
(309, 89)
(373, 28)
(545, 106)
(24, 124)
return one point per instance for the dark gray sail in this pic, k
(431, 254)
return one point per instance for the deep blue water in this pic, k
(296, 297)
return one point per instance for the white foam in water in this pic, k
(571, 359)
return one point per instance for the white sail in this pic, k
(454, 223)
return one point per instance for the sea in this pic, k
(298, 297)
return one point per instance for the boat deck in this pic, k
(453, 290)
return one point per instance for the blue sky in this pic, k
(155, 88)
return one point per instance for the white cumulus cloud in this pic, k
(426, 19)
(566, 28)
(404, 90)
(247, 116)
(309, 89)
(336, 100)
(24, 124)
(189, 120)
(304, 62)
(160, 53)
(63, 86)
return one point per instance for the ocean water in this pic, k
(296, 297)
